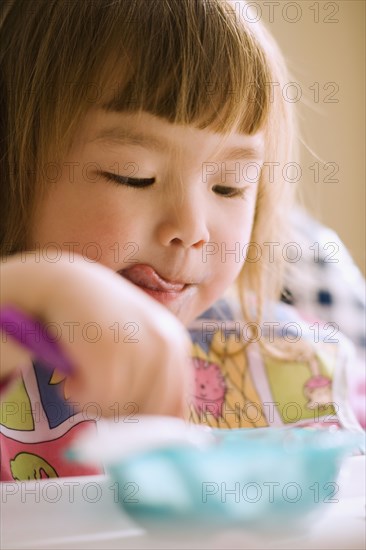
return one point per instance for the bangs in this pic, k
(189, 62)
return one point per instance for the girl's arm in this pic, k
(125, 347)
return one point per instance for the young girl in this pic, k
(138, 141)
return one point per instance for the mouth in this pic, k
(153, 283)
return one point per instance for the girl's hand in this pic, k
(125, 347)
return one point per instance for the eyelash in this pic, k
(231, 192)
(130, 182)
(141, 183)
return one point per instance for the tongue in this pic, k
(145, 276)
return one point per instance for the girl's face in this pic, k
(169, 207)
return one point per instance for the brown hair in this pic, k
(188, 61)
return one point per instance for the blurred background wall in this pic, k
(324, 45)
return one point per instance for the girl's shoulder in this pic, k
(286, 371)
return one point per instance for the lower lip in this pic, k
(163, 296)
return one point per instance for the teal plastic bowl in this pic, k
(267, 479)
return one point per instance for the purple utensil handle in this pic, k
(34, 336)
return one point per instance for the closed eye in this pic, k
(130, 182)
(229, 192)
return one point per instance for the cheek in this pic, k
(230, 247)
(231, 225)
(58, 216)
(92, 224)
(225, 255)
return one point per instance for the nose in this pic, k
(182, 222)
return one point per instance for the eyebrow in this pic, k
(239, 153)
(122, 136)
